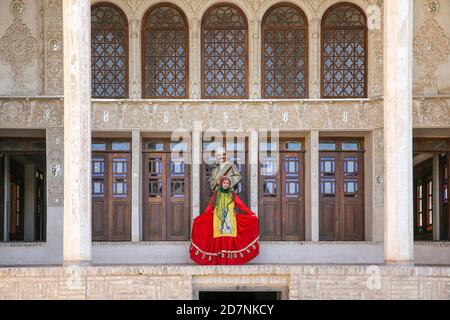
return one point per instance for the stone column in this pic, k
(195, 59)
(398, 207)
(135, 60)
(254, 76)
(135, 184)
(312, 180)
(196, 162)
(77, 131)
(314, 58)
(254, 163)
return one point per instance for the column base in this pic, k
(401, 263)
(77, 263)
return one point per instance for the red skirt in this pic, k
(207, 250)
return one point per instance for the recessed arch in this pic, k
(224, 52)
(284, 52)
(165, 52)
(109, 51)
(344, 52)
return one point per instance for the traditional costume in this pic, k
(220, 236)
(225, 169)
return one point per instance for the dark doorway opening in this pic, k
(239, 295)
(23, 196)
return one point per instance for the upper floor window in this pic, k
(284, 53)
(224, 53)
(344, 52)
(109, 52)
(165, 46)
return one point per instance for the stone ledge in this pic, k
(23, 244)
(189, 269)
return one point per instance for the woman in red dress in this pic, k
(219, 235)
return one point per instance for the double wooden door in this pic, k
(281, 196)
(166, 197)
(341, 209)
(111, 197)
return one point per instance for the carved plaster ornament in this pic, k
(431, 44)
(18, 47)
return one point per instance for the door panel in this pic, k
(155, 196)
(292, 182)
(329, 196)
(111, 197)
(100, 197)
(423, 181)
(16, 202)
(352, 209)
(270, 198)
(120, 204)
(40, 207)
(178, 214)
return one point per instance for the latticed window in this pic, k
(165, 53)
(344, 52)
(109, 52)
(224, 53)
(284, 53)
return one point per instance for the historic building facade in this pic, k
(337, 114)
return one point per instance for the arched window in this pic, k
(109, 52)
(285, 53)
(344, 52)
(165, 43)
(224, 53)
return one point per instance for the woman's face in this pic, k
(225, 184)
(221, 157)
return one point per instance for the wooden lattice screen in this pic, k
(109, 52)
(344, 52)
(224, 53)
(285, 53)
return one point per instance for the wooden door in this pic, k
(178, 211)
(2, 195)
(341, 210)
(351, 222)
(119, 224)
(423, 204)
(111, 197)
(166, 197)
(16, 204)
(292, 196)
(329, 196)
(270, 198)
(206, 192)
(40, 206)
(100, 197)
(445, 205)
(155, 183)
